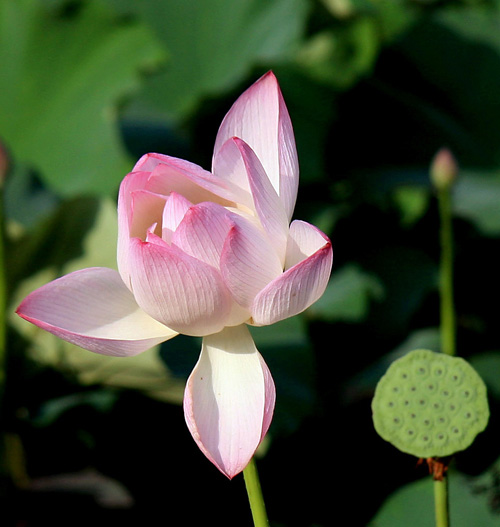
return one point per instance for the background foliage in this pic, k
(374, 88)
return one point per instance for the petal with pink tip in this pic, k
(238, 161)
(146, 208)
(148, 162)
(228, 166)
(132, 182)
(229, 399)
(203, 231)
(93, 309)
(304, 240)
(174, 288)
(173, 212)
(268, 205)
(260, 118)
(170, 174)
(301, 284)
(248, 261)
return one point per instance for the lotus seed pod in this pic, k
(430, 404)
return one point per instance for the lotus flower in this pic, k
(204, 254)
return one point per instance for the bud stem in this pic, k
(446, 273)
(3, 334)
(447, 325)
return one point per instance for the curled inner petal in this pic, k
(248, 261)
(257, 191)
(302, 283)
(188, 180)
(175, 209)
(202, 232)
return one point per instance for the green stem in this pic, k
(3, 302)
(3, 331)
(448, 328)
(255, 496)
(441, 502)
(446, 273)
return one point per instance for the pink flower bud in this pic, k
(444, 169)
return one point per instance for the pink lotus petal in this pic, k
(176, 289)
(300, 285)
(260, 118)
(148, 162)
(267, 203)
(132, 182)
(248, 261)
(145, 209)
(175, 209)
(229, 399)
(203, 231)
(304, 240)
(237, 161)
(93, 309)
(228, 166)
(188, 179)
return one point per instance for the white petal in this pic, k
(229, 399)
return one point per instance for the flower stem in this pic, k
(441, 502)
(446, 273)
(255, 496)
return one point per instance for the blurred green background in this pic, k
(374, 88)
